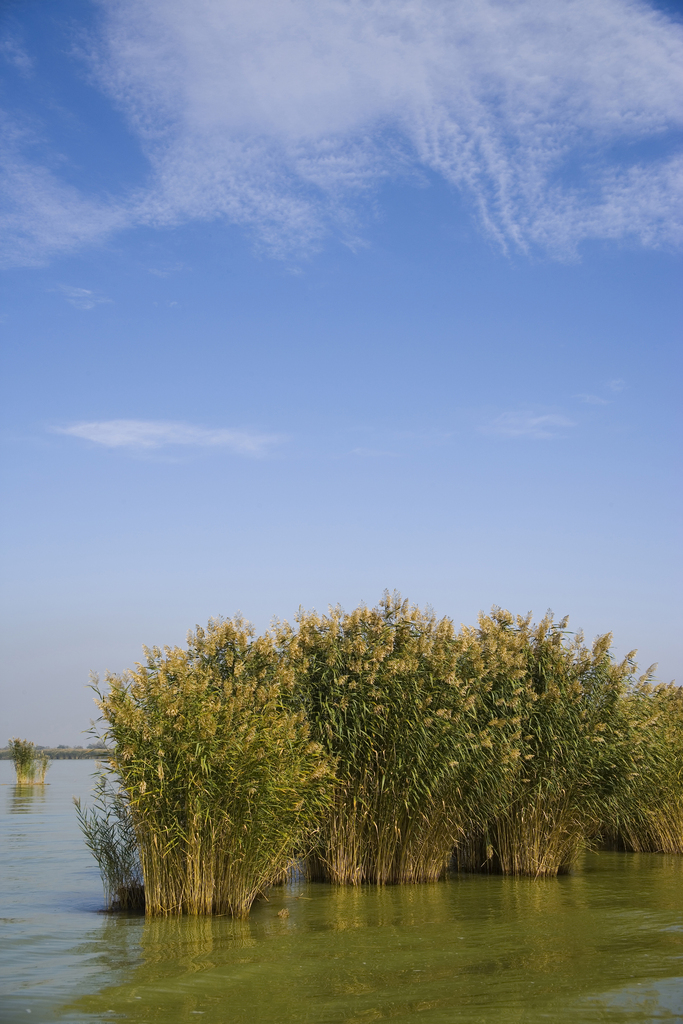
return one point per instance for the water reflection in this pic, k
(25, 799)
(603, 945)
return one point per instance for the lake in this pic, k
(602, 945)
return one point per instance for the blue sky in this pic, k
(301, 301)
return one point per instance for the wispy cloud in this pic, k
(41, 215)
(167, 271)
(14, 53)
(528, 426)
(282, 116)
(592, 399)
(82, 298)
(150, 434)
(614, 386)
(374, 453)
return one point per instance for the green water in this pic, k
(605, 944)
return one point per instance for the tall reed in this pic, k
(224, 784)
(380, 690)
(574, 750)
(30, 765)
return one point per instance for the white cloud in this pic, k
(528, 426)
(279, 114)
(149, 434)
(617, 385)
(82, 298)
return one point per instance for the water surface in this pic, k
(602, 945)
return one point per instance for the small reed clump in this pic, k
(110, 836)
(223, 783)
(30, 765)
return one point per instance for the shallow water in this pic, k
(605, 944)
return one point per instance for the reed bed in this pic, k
(377, 746)
(223, 783)
(30, 765)
(381, 691)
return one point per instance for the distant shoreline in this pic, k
(64, 753)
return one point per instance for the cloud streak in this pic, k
(151, 434)
(589, 399)
(555, 118)
(528, 426)
(14, 53)
(82, 298)
(41, 216)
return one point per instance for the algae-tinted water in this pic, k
(605, 944)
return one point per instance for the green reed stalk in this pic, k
(224, 784)
(43, 762)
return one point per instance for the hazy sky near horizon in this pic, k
(306, 299)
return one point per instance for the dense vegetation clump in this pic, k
(223, 783)
(377, 746)
(30, 764)
(575, 747)
(382, 693)
(646, 814)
